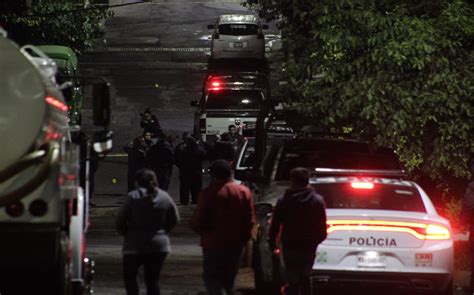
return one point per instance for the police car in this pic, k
(383, 230)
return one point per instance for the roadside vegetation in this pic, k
(66, 22)
(397, 73)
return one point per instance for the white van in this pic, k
(238, 36)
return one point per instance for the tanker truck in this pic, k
(43, 208)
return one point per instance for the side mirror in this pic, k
(265, 27)
(101, 104)
(194, 103)
(210, 27)
(102, 142)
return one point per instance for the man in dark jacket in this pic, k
(160, 159)
(150, 123)
(189, 158)
(136, 151)
(235, 137)
(224, 218)
(299, 219)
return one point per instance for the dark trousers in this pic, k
(152, 264)
(189, 184)
(297, 265)
(164, 181)
(220, 268)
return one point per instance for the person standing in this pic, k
(136, 151)
(234, 136)
(467, 217)
(224, 218)
(189, 158)
(300, 220)
(145, 219)
(150, 123)
(160, 159)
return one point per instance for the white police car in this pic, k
(383, 232)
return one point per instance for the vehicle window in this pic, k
(381, 197)
(238, 29)
(334, 158)
(233, 99)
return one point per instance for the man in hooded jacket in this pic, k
(299, 219)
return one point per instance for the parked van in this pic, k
(238, 36)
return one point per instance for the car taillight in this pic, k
(214, 86)
(422, 231)
(202, 125)
(362, 185)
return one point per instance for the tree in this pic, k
(63, 22)
(398, 73)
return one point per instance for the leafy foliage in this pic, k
(53, 22)
(399, 73)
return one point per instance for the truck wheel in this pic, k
(61, 275)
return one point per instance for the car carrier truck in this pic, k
(43, 208)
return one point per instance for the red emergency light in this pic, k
(362, 185)
(215, 85)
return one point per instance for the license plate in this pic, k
(371, 259)
(237, 45)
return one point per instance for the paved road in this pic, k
(155, 56)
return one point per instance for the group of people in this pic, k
(224, 218)
(159, 153)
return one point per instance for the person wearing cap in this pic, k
(299, 220)
(224, 218)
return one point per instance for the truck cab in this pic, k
(68, 70)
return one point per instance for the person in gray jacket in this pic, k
(145, 219)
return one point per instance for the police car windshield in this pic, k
(238, 29)
(380, 197)
(233, 99)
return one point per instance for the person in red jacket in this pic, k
(299, 219)
(224, 219)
